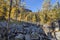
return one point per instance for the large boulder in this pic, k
(27, 37)
(19, 37)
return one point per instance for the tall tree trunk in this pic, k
(55, 35)
(9, 19)
(16, 9)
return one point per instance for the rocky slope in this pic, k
(22, 31)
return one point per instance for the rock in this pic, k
(27, 37)
(20, 36)
(3, 24)
(34, 35)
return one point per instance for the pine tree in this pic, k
(46, 5)
(34, 18)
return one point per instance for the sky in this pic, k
(36, 5)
